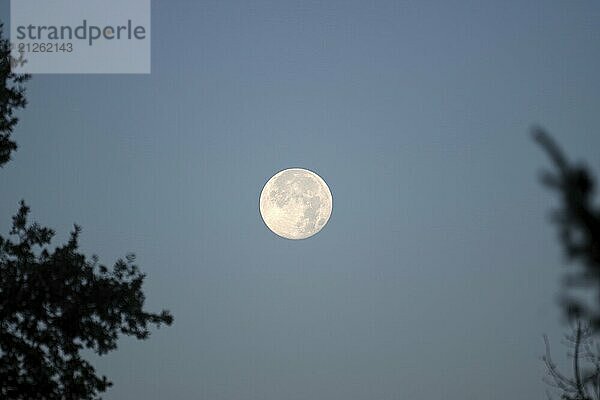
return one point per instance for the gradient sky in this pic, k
(438, 272)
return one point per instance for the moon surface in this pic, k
(296, 203)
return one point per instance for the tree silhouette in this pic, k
(578, 221)
(54, 303)
(12, 98)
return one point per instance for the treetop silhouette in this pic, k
(56, 302)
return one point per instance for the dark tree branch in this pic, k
(578, 220)
(582, 383)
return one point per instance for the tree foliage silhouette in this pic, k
(56, 302)
(12, 98)
(578, 221)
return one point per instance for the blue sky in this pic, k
(438, 271)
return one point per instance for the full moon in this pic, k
(295, 203)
